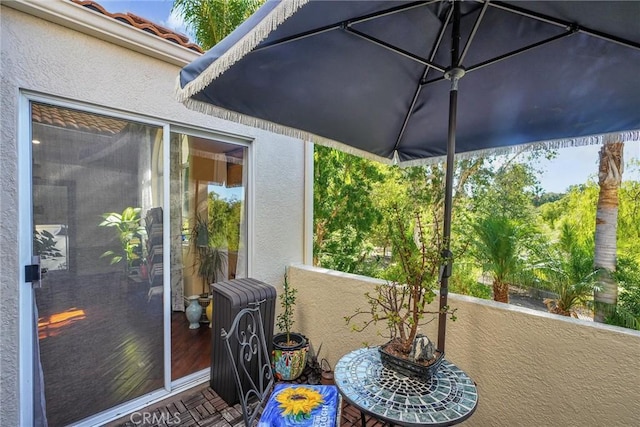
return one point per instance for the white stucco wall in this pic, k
(44, 57)
(532, 368)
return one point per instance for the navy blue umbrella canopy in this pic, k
(372, 74)
(412, 82)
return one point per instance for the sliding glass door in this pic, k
(96, 188)
(126, 249)
(208, 187)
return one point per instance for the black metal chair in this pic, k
(248, 352)
(251, 363)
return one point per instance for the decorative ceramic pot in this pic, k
(193, 312)
(289, 360)
(409, 368)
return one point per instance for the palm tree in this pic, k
(568, 271)
(609, 179)
(497, 248)
(213, 20)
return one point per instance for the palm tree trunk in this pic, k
(500, 291)
(609, 179)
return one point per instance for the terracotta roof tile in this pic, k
(142, 24)
(78, 120)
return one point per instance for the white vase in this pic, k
(193, 312)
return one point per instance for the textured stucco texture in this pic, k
(53, 60)
(531, 368)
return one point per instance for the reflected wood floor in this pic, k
(202, 407)
(101, 344)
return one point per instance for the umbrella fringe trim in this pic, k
(254, 122)
(241, 48)
(555, 144)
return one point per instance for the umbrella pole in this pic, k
(453, 74)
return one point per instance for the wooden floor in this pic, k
(201, 406)
(101, 341)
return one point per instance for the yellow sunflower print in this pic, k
(298, 402)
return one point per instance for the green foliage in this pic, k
(210, 256)
(464, 281)
(497, 247)
(44, 244)
(543, 198)
(345, 212)
(629, 220)
(627, 312)
(567, 270)
(284, 320)
(224, 221)
(130, 232)
(577, 208)
(213, 20)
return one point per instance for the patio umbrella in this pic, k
(381, 78)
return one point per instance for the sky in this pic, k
(572, 166)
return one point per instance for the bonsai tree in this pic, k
(404, 302)
(130, 232)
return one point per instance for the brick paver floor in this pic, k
(202, 407)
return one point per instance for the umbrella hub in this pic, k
(454, 74)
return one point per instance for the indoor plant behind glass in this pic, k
(289, 348)
(209, 261)
(131, 233)
(404, 302)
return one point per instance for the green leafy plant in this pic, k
(130, 232)
(568, 271)
(44, 244)
(284, 320)
(210, 259)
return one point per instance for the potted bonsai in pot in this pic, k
(290, 349)
(403, 303)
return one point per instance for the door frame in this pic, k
(27, 328)
(27, 333)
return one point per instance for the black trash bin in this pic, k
(228, 299)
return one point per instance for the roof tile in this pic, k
(142, 24)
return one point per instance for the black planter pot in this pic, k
(289, 361)
(409, 368)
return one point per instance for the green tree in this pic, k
(627, 275)
(497, 248)
(344, 208)
(213, 20)
(568, 271)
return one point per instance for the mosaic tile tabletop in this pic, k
(447, 398)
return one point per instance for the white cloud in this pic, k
(175, 22)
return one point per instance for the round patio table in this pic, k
(447, 398)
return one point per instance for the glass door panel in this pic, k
(208, 186)
(97, 214)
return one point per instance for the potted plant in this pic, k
(130, 233)
(289, 348)
(209, 261)
(404, 302)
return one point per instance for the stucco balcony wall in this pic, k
(532, 368)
